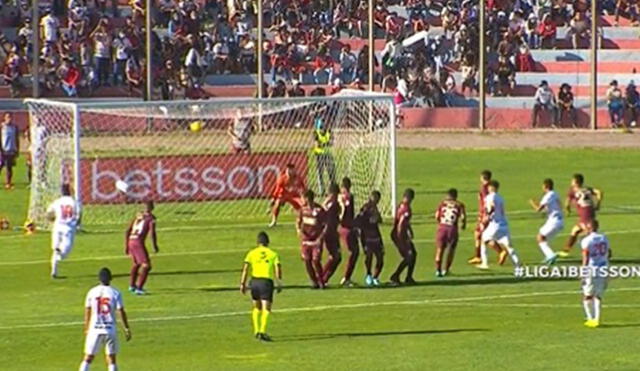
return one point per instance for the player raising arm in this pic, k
(368, 222)
(402, 237)
(550, 203)
(289, 188)
(100, 328)
(587, 201)
(596, 253)
(311, 227)
(331, 238)
(135, 238)
(265, 268)
(65, 214)
(450, 213)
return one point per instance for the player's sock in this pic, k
(586, 303)
(308, 264)
(255, 318)
(264, 321)
(483, 254)
(368, 262)
(546, 250)
(513, 255)
(54, 263)
(133, 276)
(113, 367)
(596, 309)
(379, 264)
(572, 240)
(84, 366)
(143, 277)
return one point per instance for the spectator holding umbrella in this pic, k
(615, 103)
(565, 104)
(543, 100)
(633, 103)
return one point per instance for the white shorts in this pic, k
(551, 228)
(62, 240)
(594, 286)
(497, 232)
(96, 340)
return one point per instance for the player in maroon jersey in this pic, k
(368, 222)
(587, 201)
(143, 225)
(450, 213)
(348, 234)
(485, 178)
(402, 237)
(312, 226)
(331, 237)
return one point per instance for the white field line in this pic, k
(451, 301)
(228, 251)
(531, 305)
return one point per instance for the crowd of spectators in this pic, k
(103, 45)
(624, 108)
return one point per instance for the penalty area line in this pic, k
(451, 301)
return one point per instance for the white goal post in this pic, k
(207, 160)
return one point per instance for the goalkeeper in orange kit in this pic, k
(289, 189)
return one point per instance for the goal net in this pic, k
(207, 160)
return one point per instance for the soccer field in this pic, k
(195, 318)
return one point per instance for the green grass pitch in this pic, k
(196, 319)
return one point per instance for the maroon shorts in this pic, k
(446, 236)
(332, 243)
(8, 159)
(373, 245)
(138, 253)
(310, 251)
(349, 238)
(403, 244)
(585, 217)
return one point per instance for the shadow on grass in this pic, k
(309, 337)
(503, 280)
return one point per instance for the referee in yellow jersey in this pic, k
(265, 268)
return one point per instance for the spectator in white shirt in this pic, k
(348, 62)
(193, 59)
(49, 27)
(544, 100)
(102, 53)
(122, 47)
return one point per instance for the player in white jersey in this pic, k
(100, 328)
(497, 231)
(65, 214)
(596, 253)
(550, 203)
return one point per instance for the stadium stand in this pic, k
(426, 53)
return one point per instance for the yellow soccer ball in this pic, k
(195, 126)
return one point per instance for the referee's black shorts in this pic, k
(262, 289)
